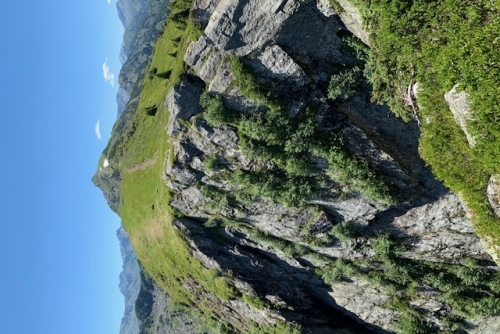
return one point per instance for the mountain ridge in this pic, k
(367, 214)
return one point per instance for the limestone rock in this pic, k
(281, 66)
(202, 10)
(310, 38)
(244, 26)
(459, 105)
(493, 192)
(440, 232)
(209, 64)
(182, 103)
(349, 14)
(365, 301)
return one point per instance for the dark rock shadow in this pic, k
(303, 295)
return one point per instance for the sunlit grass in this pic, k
(145, 210)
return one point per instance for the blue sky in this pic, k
(59, 253)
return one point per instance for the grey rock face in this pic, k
(349, 15)
(441, 232)
(296, 290)
(281, 66)
(209, 64)
(366, 301)
(202, 10)
(182, 103)
(493, 192)
(459, 105)
(315, 45)
(243, 26)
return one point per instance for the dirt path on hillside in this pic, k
(143, 165)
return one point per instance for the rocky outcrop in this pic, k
(339, 259)
(493, 192)
(232, 24)
(440, 231)
(182, 103)
(459, 104)
(349, 14)
(259, 239)
(366, 301)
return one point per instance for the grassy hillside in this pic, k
(144, 148)
(439, 44)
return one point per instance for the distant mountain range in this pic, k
(130, 284)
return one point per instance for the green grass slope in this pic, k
(439, 44)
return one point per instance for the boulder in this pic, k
(209, 64)
(281, 66)
(459, 105)
(182, 103)
(493, 192)
(364, 300)
(440, 232)
(245, 26)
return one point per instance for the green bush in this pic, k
(255, 301)
(340, 271)
(289, 248)
(151, 111)
(387, 247)
(344, 231)
(411, 322)
(344, 168)
(248, 83)
(215, 112)
(343, 85)
(213, 163)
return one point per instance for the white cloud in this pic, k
(108, 75)
(98, 130)
(109, 1)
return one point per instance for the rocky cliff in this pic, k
(308, 198)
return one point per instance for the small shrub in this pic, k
(411, 322)
(340, 271)
(343, 85)
(213, 163)
(344, 231)
(255, 301)
(216, 112)
(164, 75)
(386, 247)
(152, 72)
(151, 111)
